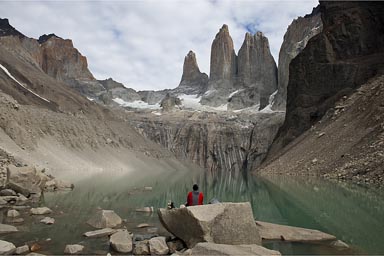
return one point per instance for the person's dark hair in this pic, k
(195, 187)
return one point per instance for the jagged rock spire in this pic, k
(223, 57)
(190, 68)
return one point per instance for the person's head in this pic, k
(195, 187)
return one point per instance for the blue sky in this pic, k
(143, 43)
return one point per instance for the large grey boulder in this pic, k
(73, 248)
(7, 192)
(105, 219)
(224, 223)
(5, 229)
(225, 249)
(25, 180)
(121, 241)
(6, 247)
(158, 246)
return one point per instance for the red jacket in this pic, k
(195, 198)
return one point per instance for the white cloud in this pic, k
(143, 43)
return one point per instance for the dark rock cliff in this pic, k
(348, 51)
(295, 39)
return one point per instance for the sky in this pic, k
(142, 43)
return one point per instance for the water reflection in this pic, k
(353, 214)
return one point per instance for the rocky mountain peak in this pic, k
(42, 39)
(190, 67)
(223, 58)
(192, 80)
(7, 30)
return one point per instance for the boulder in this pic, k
(100, 232)
(3, 201)
(105, 219)
(25, 180)
(40, 211)
(7, 192)
(143, 225)
(175, 245)
(13, 214)
(141, 248)
(6, 247)
(158, 246)
(270, 231)
(48, 220)
(73, 248)
(121, 241)
(226, 223)
(5, 229)
(226, 249)
(22, 249)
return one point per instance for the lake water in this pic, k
(352, 213)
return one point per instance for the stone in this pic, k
(158, 246)
(7, 192)
(145, 209)
(6, 247)
(3, 201)
(339, 245)
(225, 249)
(22, 249)
(105, 219)
(5, 229)
(271, 231)
(175, 245)
(13, 214)
(25, 180)
(100, 232)
(73, 249)
(16, 220)
(48, 220)
(121, 241)
(226, 223)
(143, 225)
(141, 248)
(40, 211)
(35, 247)
(35, 254)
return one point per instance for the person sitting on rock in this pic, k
(195, 197)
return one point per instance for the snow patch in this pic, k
(21, 84)
(139, 104)
(235, 92)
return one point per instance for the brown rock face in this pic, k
(192, 80)
(295, 39)
(257, 68)
(348, 51)
(223, 57)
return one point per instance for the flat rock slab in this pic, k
(271, 231)
(4, 229)
(224, 223)
(226, 249)
(22, 249)
(100, 232)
